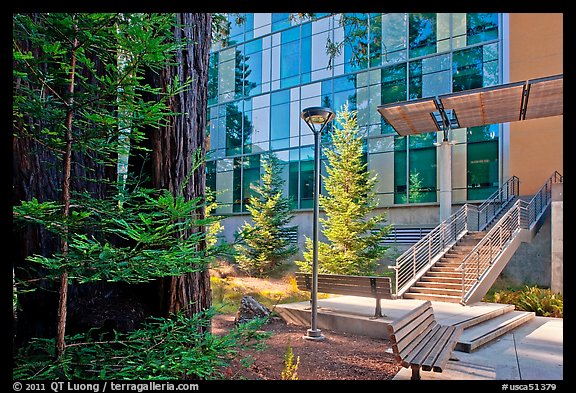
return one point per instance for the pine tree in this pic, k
(264, 244)
(353, 245)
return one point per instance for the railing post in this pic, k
(414, 262)
(478, 265)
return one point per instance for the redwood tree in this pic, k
(175, 146)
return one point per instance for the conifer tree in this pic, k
(264, 244)
(354, 237)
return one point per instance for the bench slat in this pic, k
(353, 291)
(350, 280)
(395, 325)
(414, 347)
(365, 286)
(415, 328)
(408, 342)
(444, 356)
(433, 342)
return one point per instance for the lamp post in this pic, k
(316, 116)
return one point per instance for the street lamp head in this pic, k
(317, 115)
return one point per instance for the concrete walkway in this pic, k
(532, 351)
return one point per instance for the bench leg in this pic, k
(415, 372)
(378, 312)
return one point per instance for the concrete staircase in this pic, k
(487, 327)
(442, 282)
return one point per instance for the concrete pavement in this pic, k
(531, 351)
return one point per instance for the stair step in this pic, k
(436, 291)
(436, 284)
(444, 274)
(449, 263)
(478, 319)
(480, 334)
(438, 298)
(437, 268)
(446, 280)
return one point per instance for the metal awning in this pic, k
(510, 102)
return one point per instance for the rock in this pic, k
(249, 309)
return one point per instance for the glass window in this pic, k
(213, 79)
(415, 84)
(234, 135)
(394, 86)
(211, 175)
(481, 27)
(393, 37)
(475, 67)
(422, 169)
(250, 177)
(252, 68)
(236, 34)
(375, 40)
(467, 69)
(356, 49)
(279, 125)
(293, 184)
(280, 21)
(400, 165)
(237, 185)
(290, 58)
(307, 184)
(482, 161)
(422, 34)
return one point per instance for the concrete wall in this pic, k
(425, 214)
(557, 235)
(530, 265)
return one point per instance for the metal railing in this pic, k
(496, 202)
(522, 215)
(416, 260)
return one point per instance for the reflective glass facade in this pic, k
(274, 67)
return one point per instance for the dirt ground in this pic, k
(340, 356)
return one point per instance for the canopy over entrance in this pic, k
(505, 103)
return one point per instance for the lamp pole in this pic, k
(316, 116)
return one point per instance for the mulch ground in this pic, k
(341, 356)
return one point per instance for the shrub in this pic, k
(290, 369)
(538, 300)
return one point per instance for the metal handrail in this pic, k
(522, 215)
(416, 260)
(496, 202)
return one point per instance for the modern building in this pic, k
(274, 65)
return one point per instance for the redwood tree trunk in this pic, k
(175, 146)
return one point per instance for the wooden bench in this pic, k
(418, 341)
(338, 284)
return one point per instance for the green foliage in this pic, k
(541, 301)
(290, 367)
(150, 221)
(354, 235)
(264, 245)
(173, 348)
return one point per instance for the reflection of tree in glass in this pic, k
(213, 78)
(414, 187)
(241, 73)
(236, 121)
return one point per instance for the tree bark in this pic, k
(175, 146)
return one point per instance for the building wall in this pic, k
(536, 50)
